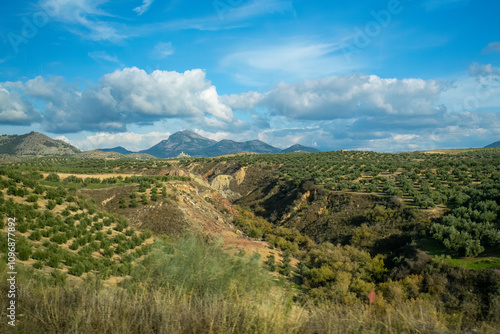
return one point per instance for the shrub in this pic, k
(123, 203)
(59, 238)
(35, 235)
(38, 265)
(23, 249)
(53, 260)
(271, 262)
(51, 204)
(53, 177)
(32, 198)
(77, 269)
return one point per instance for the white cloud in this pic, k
(478, 70)
(255, 8)
(102, 55)
(287, 61)
(129, 140)
(343, 111)
(243, 101)
(14, 110)
(128, 96)
(231, 15)
(404, 138)
(347, 96)
(479, 91)
(163, 50)
(163, 93)
(144, 7)
(218, 136)
(84, 18)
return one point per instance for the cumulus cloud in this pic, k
(479, 91)
(167, 94)
(344, 111)
(244, 101)
(14, 110)
(478, 70)
(144, 7)
(218, 135)
(127, 96)
(345, 97)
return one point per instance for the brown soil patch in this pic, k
(83, 176)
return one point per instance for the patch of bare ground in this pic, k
(436, 212)
(97, 176)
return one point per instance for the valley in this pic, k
(316, 231)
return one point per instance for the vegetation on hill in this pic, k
(34, 144)
(418, 233)
(495, 144)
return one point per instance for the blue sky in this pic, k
(371, 75)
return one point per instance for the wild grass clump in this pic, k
(194, 266)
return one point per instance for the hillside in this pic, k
(186, 142)
(495, 144)
(34, 144)
(118, 149)
(99, 154)
(300, 148)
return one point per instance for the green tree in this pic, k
(286, 267)
(271, 262)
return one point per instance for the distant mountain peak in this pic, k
(186, 133)
(300, 148)
(118, 149)
(192, 144)
(495, 144)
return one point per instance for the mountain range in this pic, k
(183, 142)
(192, 144)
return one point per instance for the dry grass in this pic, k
(92, 309)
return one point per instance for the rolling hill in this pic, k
(118, 149)
(300, 148)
